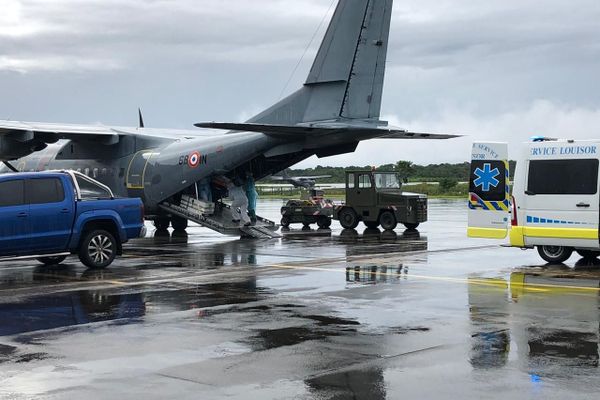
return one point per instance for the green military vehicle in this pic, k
(310, 210)
(376, 198)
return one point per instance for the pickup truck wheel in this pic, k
(98, 249)
(179, 224)
(348, 218)
(323, 222)
(55, 260)
(555, 254)
(411, 226)
(285, 222)
(387, 219)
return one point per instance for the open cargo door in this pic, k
(489, 197)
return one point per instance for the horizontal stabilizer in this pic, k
(354, 131)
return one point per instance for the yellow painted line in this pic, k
(477, 281)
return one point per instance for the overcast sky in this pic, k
(499, 70)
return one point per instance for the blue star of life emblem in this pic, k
(486, 177)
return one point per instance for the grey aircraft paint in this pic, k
(337, 107)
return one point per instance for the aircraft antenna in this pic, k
(141, 118)
(306, 50)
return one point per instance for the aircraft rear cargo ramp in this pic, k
(220, 219)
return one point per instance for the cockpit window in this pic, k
(387, 181)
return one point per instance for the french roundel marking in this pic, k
(194, 159)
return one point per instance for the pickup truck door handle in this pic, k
(65, 211)
(583, 205)
(22, 215)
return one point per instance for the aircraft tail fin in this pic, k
(346, 78)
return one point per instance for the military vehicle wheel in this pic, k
(323, 222)
(387, 219)
(306, 224)
(54, 260)
(588, 254)
(98, 249)
(411, 226)
(285, 222)
(348, 218)
(371, 224)
(179, 224)
(162, 223)
(555, 254)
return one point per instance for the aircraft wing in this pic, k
(356, 131)
(50, 133)
(313, 177)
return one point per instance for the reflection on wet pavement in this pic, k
(365, 314)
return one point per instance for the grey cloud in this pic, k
(491, 69)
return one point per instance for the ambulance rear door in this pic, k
(489, 197)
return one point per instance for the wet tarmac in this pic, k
(316, 315)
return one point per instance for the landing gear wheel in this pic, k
(54, 260)
(285, 222)
(348, 218)
(323, 222)
(588, 254)
(161, 223)
(387, 219)
(98, 249)
(179, 224)
(411, 226)
(555, 254)
(371, 224)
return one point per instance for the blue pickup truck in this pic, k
(49, 215)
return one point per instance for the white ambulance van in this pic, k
(555, 201)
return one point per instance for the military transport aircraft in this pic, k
(306, 182)
(337, 107)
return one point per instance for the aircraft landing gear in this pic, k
(161, 223)
(179, 224)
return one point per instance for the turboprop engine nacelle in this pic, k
(11, 149)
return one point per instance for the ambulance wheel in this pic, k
(323, 222)
(555, 254)
(411, 226)
(387, 219)
(371, 224)
(348, 218)
(162, 223)
(588, 254)
(52, 260)
(179, 224)
(285, 222)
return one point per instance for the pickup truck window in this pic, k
(89, 190)
(42, 191)
(12, 193)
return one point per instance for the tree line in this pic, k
(445, 172)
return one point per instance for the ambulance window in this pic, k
(563, 176)
(488, 180)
